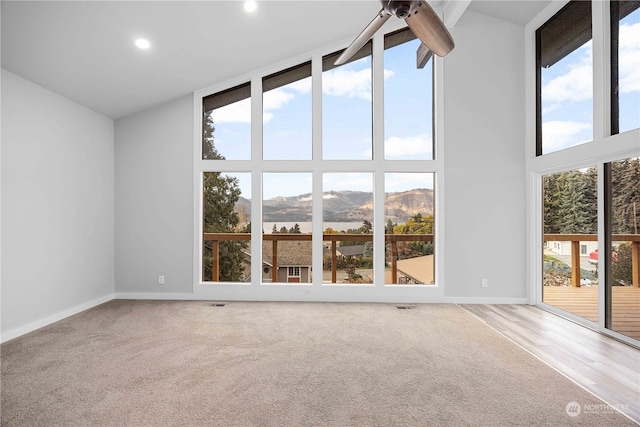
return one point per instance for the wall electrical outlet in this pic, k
(160, 280)
(485, 283)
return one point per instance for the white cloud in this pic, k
(302, 86)
(352, 84)
(412, 147)
(349, 83)
(238, 112)
(275, 99)
(574, 85)
(629, 54)
(558, 135)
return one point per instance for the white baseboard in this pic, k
(14, 333)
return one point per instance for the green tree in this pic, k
(295, 229)
(625, 180)
(551, 201)
(417, 224)
(367, 227)
(574, 206)
(621, 266)
(388, 229)
(220, 194)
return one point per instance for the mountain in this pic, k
(345, 206)
(399, 207)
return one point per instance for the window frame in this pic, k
(316, 290)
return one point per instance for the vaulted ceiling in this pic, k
(84, 50)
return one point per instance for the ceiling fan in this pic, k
(422, 21)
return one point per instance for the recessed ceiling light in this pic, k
(143, 43)
(250, 6)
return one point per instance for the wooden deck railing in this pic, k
(575, 240)
(216, 238)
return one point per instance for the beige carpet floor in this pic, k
(169, 363)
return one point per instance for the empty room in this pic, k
(320, 213)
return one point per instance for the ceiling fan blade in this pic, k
(363, 37)
(428, 27)
(423, 55)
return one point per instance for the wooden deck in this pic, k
(583, 302)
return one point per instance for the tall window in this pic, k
(338, 193)
(226, 223)
(286, 114)
(347, 220)
(625, 66)
(286, 210)
(565, 79)
(408, 100)
(347, 107)
(227, 124)
(409, 225)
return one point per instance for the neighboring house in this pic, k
(294, 262)
(564, 248)
(350, 251)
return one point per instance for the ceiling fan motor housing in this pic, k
(399, 8)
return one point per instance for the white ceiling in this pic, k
(84, 50)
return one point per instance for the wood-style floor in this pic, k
(602, 365)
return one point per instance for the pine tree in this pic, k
(220, 194)
(574, 205)
(625, 182)
(550, 203)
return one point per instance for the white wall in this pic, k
(57, 206)
(154, 199)
(485, 159)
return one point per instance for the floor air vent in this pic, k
(217, 304)
(406, 307)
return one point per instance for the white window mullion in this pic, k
(602, 249)
(256, 181)
(316, 210)
(601, 70)
(377, 85)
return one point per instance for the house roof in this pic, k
(289, 253)
(420, 268)
(353, 250)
